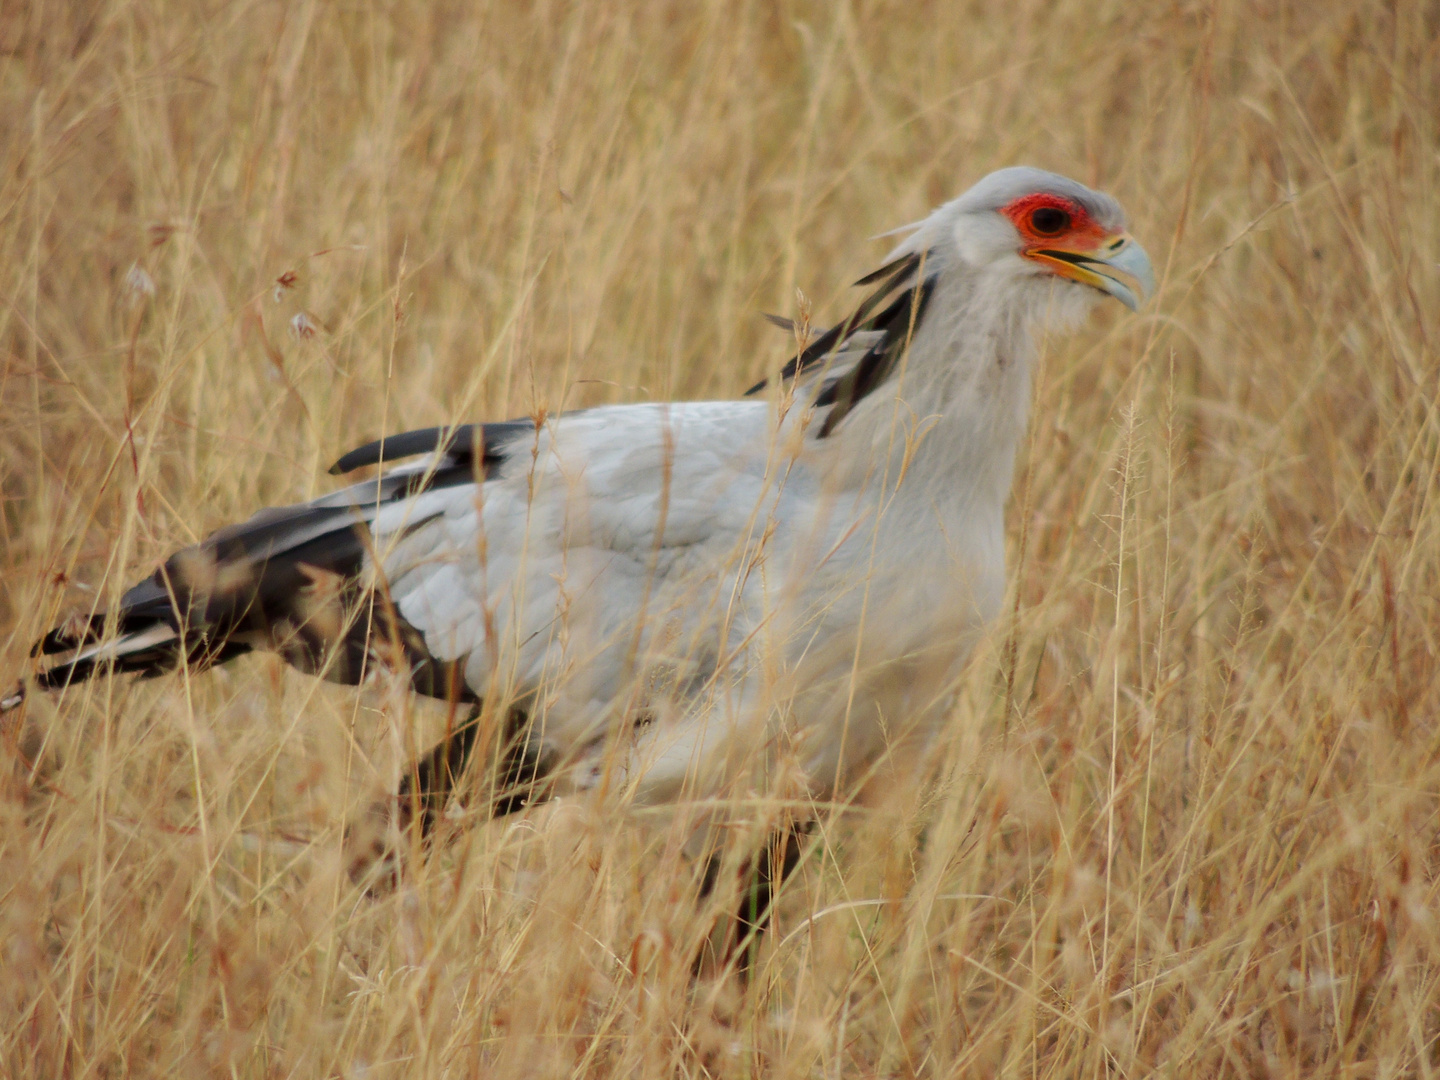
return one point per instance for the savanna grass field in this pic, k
(1183, 819)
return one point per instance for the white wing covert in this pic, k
(599, 528)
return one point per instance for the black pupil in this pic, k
(1049, 220)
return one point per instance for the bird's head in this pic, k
(1032, 227)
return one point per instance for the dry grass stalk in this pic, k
(1186, 821)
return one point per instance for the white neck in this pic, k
(959, 405)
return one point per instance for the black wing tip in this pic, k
(64, 639)
(403, 444)
(368, 454)
(53, 678)
(386, 448)
(63, 674)
(460, 441)
(70, 673)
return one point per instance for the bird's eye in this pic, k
(1049, 220)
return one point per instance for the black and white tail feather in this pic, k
(291, 579)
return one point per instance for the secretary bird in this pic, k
(683, 602)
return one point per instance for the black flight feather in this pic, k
(256, 581)
(457, 442)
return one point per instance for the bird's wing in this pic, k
(570, 553)
(498, 525)
(848, 361)
(510, 543)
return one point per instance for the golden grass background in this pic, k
(1186, 821)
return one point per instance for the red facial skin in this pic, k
(1084, 234)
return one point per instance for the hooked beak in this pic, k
(1119, 266)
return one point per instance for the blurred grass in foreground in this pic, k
(1187, 818)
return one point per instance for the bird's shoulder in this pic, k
(604, 434)
(614, 476)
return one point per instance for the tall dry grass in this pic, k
(1185, 821)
